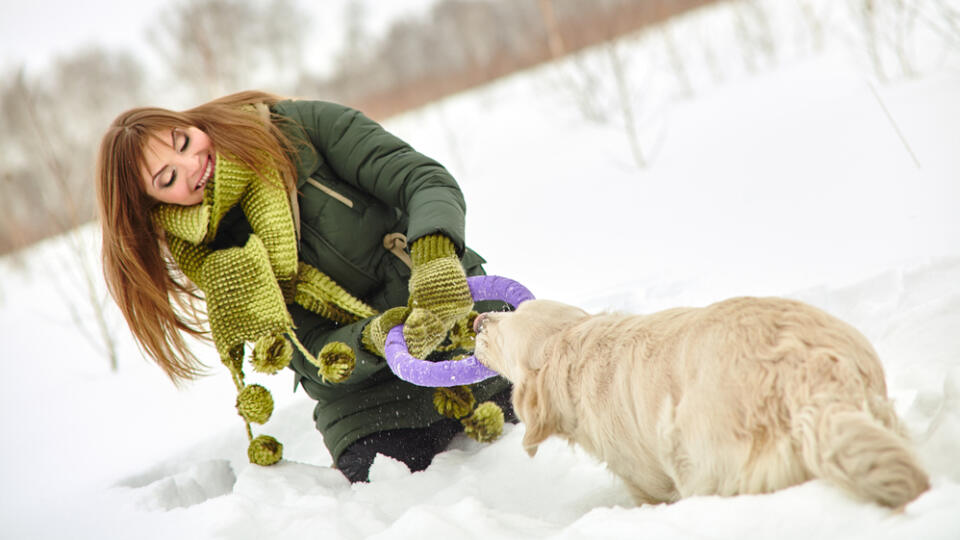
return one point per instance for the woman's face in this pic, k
(179, 163)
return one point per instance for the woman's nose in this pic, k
(187, 164)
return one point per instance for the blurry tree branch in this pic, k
(626, 102)
(50, 126)
(554, 39)
(215, 47)
(462, 44)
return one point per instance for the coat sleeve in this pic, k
(362, 153)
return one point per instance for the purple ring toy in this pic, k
(452, 372)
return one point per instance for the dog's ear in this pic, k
(549, 339)
(534, 409)
(533, 358)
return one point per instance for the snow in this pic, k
(790, 181)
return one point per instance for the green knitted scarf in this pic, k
(247, 288)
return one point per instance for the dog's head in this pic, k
(517, 345)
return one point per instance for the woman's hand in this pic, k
(439, 297)
(439, 294)
(374, 334)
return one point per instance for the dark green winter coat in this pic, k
(358, 183)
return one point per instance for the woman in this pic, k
(290, 220)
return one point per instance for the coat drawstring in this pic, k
(396, 243)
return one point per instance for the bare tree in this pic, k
(213, 47)
(889, 30)
(52, 125)
(554, 38)
(814, 23)
(905, 15)
(950, 16)
(677, 63)
(752, 24)
(605, 82)
(625, 100)
(356, 48)
(868, 21)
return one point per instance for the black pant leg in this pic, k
(415, 446)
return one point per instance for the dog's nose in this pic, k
(478, 322)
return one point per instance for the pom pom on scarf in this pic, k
(337, 361)
(485, 424)
(264, 450)
(271, 354)
(454, 401)
(255, 404)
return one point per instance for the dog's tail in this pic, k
(861, 450)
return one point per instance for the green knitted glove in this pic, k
(439, 295)
(374, 335)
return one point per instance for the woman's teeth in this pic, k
(206, 174)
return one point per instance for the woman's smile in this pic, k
(207, 174)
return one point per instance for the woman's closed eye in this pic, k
(185, 142)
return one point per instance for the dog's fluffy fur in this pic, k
(748, 395)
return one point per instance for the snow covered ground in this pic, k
(791, 181)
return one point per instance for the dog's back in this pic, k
(816, 382)
(748, 395)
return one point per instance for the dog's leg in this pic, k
(640, 496)
(671, 454)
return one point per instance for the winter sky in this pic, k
(34, 32)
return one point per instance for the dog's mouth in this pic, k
(479, 322)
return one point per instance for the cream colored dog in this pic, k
(748, 395)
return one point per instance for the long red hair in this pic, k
(159, 304)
